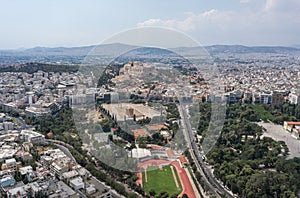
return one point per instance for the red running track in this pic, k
(185, 182)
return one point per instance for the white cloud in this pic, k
(278, 23)
(189, 23)
(282, 5)
(183, 25)
(245, 1)
(269, 4)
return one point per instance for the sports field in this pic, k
(159, 179)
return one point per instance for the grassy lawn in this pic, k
(161, 180)
(264, 114)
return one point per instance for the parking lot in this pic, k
(278, 133)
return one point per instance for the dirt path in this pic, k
(139, 181)
(174, 175)
(146, 178)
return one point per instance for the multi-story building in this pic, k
(6, 181)
(10, 164)
(32, 137)
(262, 98)
(77, 183)
(266, 98)
(59, 168)
(278, 97)
(9, 107)
(37, 112)
(294, 98)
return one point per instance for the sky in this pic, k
(54, 23)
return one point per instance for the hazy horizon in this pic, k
(27, 24)
(92, 45)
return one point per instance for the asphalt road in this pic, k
(64, 149)
(208, 176)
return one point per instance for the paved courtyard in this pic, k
(278, 133)
(140, 110)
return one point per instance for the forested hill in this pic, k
(34, 67)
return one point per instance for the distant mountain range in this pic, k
(106, 53)
(48, 51)
(215, 49)
(111, 49)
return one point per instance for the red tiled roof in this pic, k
(170, 152)
(182, 159)
(139, 132)
(155, 147)
(292, 123)
(156, 127)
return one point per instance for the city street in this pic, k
(208, 176)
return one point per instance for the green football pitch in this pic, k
(161, 180)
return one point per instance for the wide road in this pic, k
(208, 176)
(63, 147)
